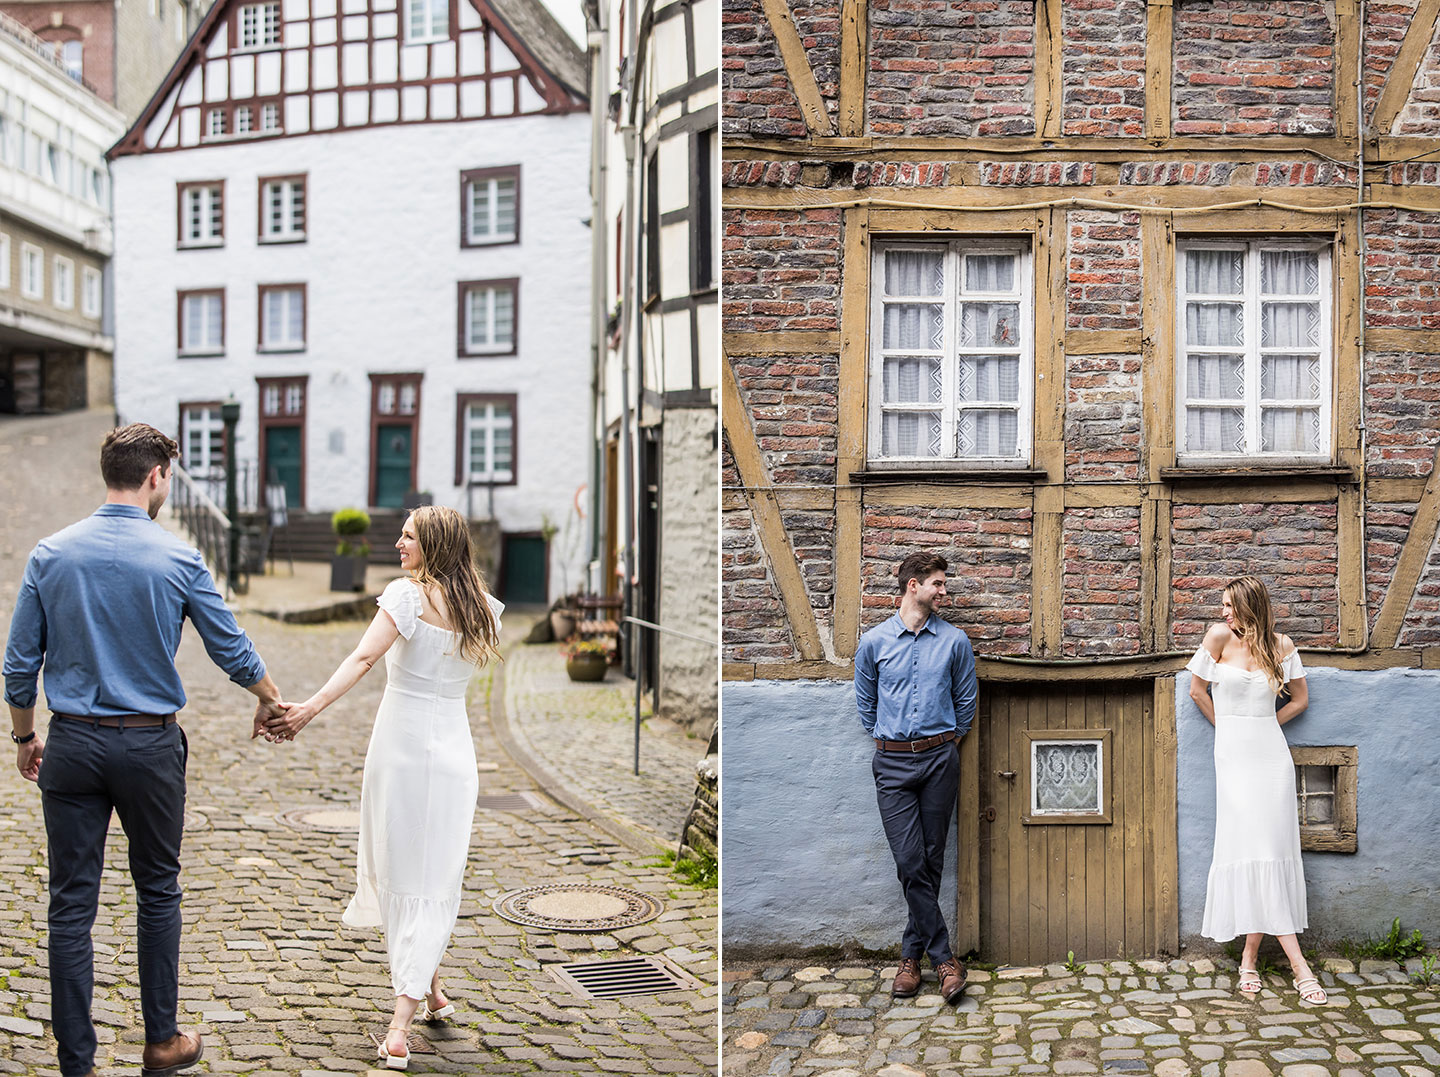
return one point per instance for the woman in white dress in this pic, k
(1257, 884)
(417, 798)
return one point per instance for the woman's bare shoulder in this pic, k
(1287, 645)
(1216, 637)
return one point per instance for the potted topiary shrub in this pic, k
(586, 660)
(347, 567)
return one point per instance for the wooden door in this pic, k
(282, 459)
(524, 568)
(1062, 865)
(394, 451)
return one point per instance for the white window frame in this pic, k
(202, 203)
(1101, 793)
(955, 249)
(288, 231)
(269, 117)
(492, 184)
(202, 420)
(432, 28)
(270, 338)
(32, 275)
(214, 129)
(63, 285)
(491, 346)
(92, 292)
(489, 423)
(1251, 349)
(206, 346)
(4, 260)
(264, 33)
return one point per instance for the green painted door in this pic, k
(282, 460)
(525, 560)
(392, 466)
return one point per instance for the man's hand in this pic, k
(296, 718)
(263, 714)
(27, 759)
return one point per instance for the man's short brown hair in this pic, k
(130, 452)
(918, 566)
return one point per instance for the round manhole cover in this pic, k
(577, 907)
(333, 820)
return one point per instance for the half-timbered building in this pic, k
(365, 220)
(1108, 303)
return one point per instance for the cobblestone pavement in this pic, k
(583, 736)
(269, 975)
(1171, 1019)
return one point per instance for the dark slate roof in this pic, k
(556, 51)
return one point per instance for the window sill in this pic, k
(489, 354)
(1210, 472)
(271, 241)
(245, 50)
(298, 349)
(947, 476)
(498, 241)
(200, 355)
(211, 246)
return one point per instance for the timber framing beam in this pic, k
(1253, 149)
(1348, 36)
(1239, 203)
(783, 342)
(1159, 68)
(1406, 66)
(850, 427)
(769, 525)
(1049, 68)
(1410, 564)
(797, 66)
(854, 59)
(1164, 836)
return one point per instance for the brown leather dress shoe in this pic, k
(179, 1052)
(952, 980)
(907, 978)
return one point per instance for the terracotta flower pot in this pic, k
(586, 667)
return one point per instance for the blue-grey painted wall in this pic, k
(804, 860)
(1390, 716)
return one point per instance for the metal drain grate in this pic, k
(511, 802)
(627, 976)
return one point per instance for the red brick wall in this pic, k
(818, 23)
(752, 618)
(95, 22)
(781, 269)
(1421, 627)
(1402, 268)
(1104, 80)
(756, 98)
(1253, 67)
(1293, 548)
(1386, 527)
(1402, 413)
(951, 67)
(1101, 582)
(1385, 24)
(1103, 417)
(1104, 271)
(791, 404)
(989, 575)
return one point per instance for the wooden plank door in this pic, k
(1098, 881)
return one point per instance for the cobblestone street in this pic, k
(1171, 1019)
(268, 975)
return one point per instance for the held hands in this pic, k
(27, 759)
(264, 713)
(293, 718)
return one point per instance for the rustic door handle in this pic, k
(1008, 775)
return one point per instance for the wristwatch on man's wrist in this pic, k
(26, 739)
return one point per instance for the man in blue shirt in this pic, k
(100, 609)
(915, 690)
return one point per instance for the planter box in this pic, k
(347, 573)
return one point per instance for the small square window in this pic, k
(269, 117)
(91, 296)
(202, 323)
(216, 123)
(64, 289)
(426, 20)
(491, 198)
(282, 209)
(202, 214)
(488, 317)
(1325, 800)
(202, 438)
(243, 118)
(4, 261)
(32, 271)
(282, 317)
(485, 452)
(1067, 779)
(259, 26)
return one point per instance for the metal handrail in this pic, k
(208, 526)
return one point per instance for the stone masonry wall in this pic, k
(781, 269)
(818, 23)
(951, 67)
(1101, 581)
(1293, 548)
(757, 99)
(989, 556)
(1385, 24)
(1420, 115)
(1253, 67)
(1104, 80)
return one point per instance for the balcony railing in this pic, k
(18, 31)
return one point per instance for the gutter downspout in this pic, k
(628, 135)
(599, 290)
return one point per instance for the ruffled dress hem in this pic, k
(408, 918)
(1243, 897)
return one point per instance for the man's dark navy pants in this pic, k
(916, 793)
(87, 771)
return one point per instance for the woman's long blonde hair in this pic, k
(447, 562)
(1255, 624)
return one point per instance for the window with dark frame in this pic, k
(485, 426)
(201, 318)
(1325, 797)
(490, 206)
(652, 227)
(201, 214)
(259, 26)
(706, 158)
(202, 438)
(488, 317)
(282, 317)
(282, 209)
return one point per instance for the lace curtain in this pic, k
(1066, 777)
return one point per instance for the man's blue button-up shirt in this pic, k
(101, 608)
(910, 685)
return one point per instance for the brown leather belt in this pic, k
(120, 721)
(913, 745)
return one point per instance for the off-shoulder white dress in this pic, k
(1256, 880)
(417, 799)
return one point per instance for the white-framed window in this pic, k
(392, 398)
(426, 20)
(32, 271)
(92, 296)
(63, 289)
(72, 55)
(4, 260)
(216, 125)
(489, 440)
(282, 209)
(202, 323)
(952, 361)
(1253, 342)
(202, 438)
(269, 116)
(492, 199)
(202, 215)
(282, 317)
(259, 26)
(244, 118)
(488, 317)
